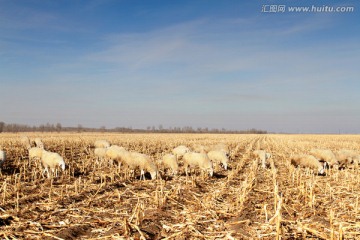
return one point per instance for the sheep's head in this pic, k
(152, 169)
(211, 172)
(62, 165)
(210, 168)
(321, 169)
(153, 175)
(225, 165)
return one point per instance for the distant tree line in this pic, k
(14, 127)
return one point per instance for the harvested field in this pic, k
(95, 200)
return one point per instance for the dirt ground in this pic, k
(95, 200)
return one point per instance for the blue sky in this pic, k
(216, 64)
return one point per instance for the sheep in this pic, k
(217, 147)
(347, 157)
(198, 159)
(180, 151)
(39, 143)
(219, 156)
(138, 160)
(325, 155)
(100, 153)
(262, 155)
(170, 161)
(201, 149)
(308, 161)
(2, 157)
(221, 147)
(115, 153)
(35, 153)
(25, 141)
(51, 160)
(101, 144)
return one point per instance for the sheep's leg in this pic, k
(142, 175)
(43, 172)
(263, 163)
(225, 166)
(47, 172)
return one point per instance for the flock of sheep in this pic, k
(48, 159)
(202, 157)
(204, 160)
(320, 159)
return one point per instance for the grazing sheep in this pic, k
(217, 147)
(116, 153)
(308, 161)
(219, 156)
(221, 147)
(39, 143)
(25, 141)
(170, 161)
(262, 155)
(138, 160)
(101, 144)
(201, 149)
(325, 155)
(180, 151)
(100, 153)
(35, 153)
(51, 160)
(347, 157)
(2, 157)
(198, 159)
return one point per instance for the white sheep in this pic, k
(216, 147)
(100, 154)
(180, 151)
(116, 153)
(308, 161)
(220, 147)
(201, 160)
(219, 156)
(138, 160)
(39, 143)
(325, 155)
(51, 160)
(25, 141)
(35, 153)
(2, 157)
(347, 157)
(201, 149)
(101, 144)
(262, 155)
(170, 161)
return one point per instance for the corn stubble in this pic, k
(103, 200)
